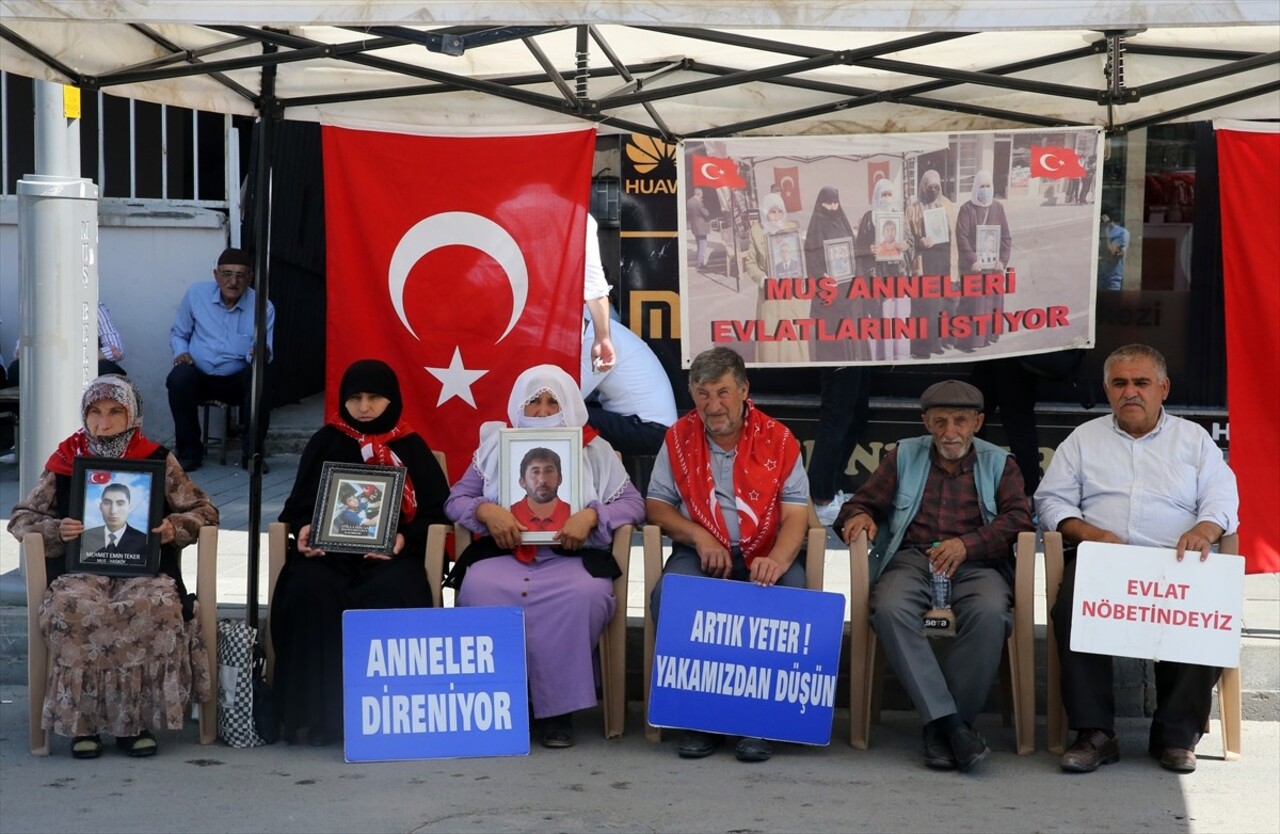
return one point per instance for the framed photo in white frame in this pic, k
(541, 479)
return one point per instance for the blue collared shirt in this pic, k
(220, 340)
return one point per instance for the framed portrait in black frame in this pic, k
(119, 501)
(357, 508)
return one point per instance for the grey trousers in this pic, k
(981, 599)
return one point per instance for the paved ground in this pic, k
(629, 784)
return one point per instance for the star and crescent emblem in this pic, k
(458, 228)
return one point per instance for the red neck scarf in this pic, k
(77, 445)
(374, 450)
(766, 453)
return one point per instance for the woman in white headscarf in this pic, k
(565, 588)
(982, 210)
(757, 263)
(873, 259)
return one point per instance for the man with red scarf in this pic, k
(729, 488)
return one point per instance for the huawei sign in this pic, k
(654, 158)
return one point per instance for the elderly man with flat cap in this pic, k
(212, 340)
(949, 503)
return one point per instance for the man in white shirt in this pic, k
(1138, 476)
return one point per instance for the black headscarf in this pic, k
(371, 376)
(825, 224)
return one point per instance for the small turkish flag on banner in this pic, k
(716, 172)
(788, 182)
(459, 261)
(876, 171)
(1055, 163)
(99, 476)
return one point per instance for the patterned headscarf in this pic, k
(129, 443)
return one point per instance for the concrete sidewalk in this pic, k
(629, 784)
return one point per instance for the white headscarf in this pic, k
(603, 474)
(768, 202)
(882, 185)
(980, 179)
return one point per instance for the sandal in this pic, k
(139, 746)
(86, 747)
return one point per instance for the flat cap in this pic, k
(235, 257)
(951, 393)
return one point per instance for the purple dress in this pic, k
(565, 608)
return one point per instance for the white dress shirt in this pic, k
(1147, 490)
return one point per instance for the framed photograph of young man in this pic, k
(357, 508)
(784, 254)
(839, 252)
(119, 501)
(888, 245)
(541, 479)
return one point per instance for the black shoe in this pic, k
(319, 737)
(696, 745)
(753, 750)
(139, 746)
(86, 747)
(968, 746)
(557, 731)
(189, 464)
(937, 750)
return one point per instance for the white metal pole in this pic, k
(58, 288)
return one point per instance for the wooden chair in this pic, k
(38, 659)
(278, 549)
(815, 555)
(867, 665)
(613, 642)
(1229, 695)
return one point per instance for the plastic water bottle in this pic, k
(941, 586)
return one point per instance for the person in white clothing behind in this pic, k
(1137, 476)
(631, 404)
(595, 293)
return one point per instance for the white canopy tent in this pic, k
(798, 67)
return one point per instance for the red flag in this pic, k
(459, 261)
(716, 172)
(1249, 179)
(1055, 163)
(876, 171)
(788, 182)
(99, 476)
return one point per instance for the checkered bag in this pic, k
(245, 717)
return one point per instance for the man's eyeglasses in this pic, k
(231, 274)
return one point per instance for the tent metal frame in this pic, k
(637, 83)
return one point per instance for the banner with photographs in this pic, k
(890, 248)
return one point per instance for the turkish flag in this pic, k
(459, 261)
(1249, 179)
(99, 476)
(876, 171)
(1055, 163)
(788, 182)
(716, 172)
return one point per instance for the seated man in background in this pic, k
(212, 340)
(951, 504)
(630, 404)
(1137, 476)
(729, 488)
(110, 348)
